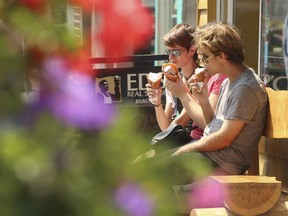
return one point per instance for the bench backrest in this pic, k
(276, 125)
(277, 116)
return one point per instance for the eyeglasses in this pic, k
(204, 60)
(175, 52)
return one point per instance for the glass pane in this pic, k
(272, 54)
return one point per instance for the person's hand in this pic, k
(117, 79)
(199, 93)
(154, 95)
(183, 149)
(176, 88)
(177, 152)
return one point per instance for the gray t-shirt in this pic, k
(244, 99)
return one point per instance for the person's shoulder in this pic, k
(251, 78)
(99, 94)
(250, 83)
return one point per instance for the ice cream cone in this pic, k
(170, 71)
(200, 76)
(154, 79)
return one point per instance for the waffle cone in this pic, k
(154, 82)
(171, 73)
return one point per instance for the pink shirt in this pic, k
(213, 84)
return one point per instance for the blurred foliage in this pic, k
(48, 167)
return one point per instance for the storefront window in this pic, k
(273, 49)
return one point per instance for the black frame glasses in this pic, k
(175, 52)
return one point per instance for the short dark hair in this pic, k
(182, 35)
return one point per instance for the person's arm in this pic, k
(163, 116)
(207, 111)
(199, 109)
(201, 113)
(215, 141)
(117, 80)
(213, 99)
(214, 85)
(182, 119)
(206, 101)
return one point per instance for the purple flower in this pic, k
(133, 200)
(71, 97)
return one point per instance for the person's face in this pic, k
(104, 86)
(180, 55)
(209, 60)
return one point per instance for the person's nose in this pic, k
(171, 56)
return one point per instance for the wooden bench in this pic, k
(253, 194)
(276, 122)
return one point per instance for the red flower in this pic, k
(77, 61)
(88, 4)
(127, 25)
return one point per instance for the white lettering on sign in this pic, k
(135, 94)
(142, 86)
(136, 82)
(142, 101)
(130, 81)
(275, 81)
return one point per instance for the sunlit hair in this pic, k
(181, 35)
(221, 37)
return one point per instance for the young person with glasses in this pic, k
(233, 131)
(179, 42)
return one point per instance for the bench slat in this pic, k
(277, 115)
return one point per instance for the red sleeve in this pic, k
(215, 82)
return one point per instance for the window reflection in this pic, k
(272, 52)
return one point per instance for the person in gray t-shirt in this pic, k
(232, 133)
(242, 100)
